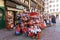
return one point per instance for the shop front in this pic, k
(11, 14)
(2, 14)
(11, 17)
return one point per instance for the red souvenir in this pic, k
(30, 23)
(30, 34)
(25, 29)
(18, 28)
(33, 13)
(42, 25)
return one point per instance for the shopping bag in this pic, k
(17, 32)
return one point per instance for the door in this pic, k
(2, 18)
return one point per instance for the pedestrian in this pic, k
(53, 19)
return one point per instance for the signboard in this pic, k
(19, 7)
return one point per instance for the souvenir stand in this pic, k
(9, 20)
(31, 25)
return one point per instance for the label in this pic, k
(19, 7)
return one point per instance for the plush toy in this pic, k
(25, 29)
(31, 31)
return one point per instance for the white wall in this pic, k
(55, 2)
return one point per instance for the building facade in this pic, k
(52, 6)
(9, 8)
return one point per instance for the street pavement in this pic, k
(49, 33)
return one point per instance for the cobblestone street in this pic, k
(50, 33)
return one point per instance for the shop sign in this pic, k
(19, 7)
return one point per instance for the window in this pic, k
(57, 9)
(47, 3)
(53, 9)
(47, 11)
(46, 7)
(53, 5)
(46, 0)
(50, 5)
(50, 9)
(50, 1)
(57, 5)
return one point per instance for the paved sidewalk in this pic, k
(50, 33)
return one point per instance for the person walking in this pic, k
(53, 19)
